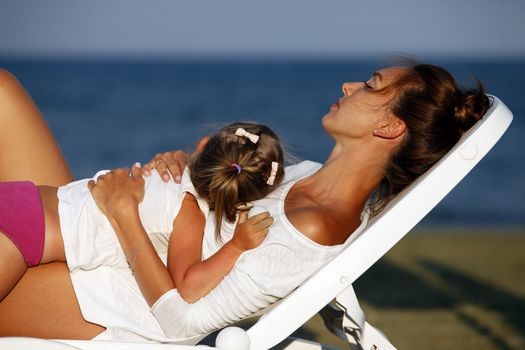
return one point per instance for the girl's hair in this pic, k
(232, 169)
(436, 112)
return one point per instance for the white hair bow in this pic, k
(241, 132)
(271, 179)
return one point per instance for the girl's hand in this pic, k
(172, 163)
(119, 191)
(251, 232)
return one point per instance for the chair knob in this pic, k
(232, 338)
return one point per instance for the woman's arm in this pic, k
(118, 194)
(193, 277)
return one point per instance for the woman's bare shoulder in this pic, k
(319, 224)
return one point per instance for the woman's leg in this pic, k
(31, 230)
(28, 150)
(12, 265)
(43, 303)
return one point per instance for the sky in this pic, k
(300, 28)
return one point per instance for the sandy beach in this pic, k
(445, 289)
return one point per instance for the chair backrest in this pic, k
(383, 232)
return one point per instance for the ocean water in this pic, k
(108, 114)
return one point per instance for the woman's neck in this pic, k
(345, 180)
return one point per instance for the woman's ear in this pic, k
(392, 128)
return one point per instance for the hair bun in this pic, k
(471, 106)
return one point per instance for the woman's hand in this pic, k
(250, 233)
(168, 163)
(172, 163)
(119, 191)
(118, 194)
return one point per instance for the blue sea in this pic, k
(108, 114)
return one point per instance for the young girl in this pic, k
(243, 162)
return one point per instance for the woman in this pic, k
(387, 131)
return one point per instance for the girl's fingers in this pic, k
(243, 217)
(202, 144)
(259, 217)
(261, 235)
(263, 224)
(244, 206)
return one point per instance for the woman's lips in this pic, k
(336, 104)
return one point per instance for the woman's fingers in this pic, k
(117, 171)
(168, 163)
(117, 190)
(136, 171)
(172, 163)
(147, 168)
(161, 165)
(176, 164)
(154, 164)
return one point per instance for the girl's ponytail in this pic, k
(235, 167)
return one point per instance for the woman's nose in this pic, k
(348, 88)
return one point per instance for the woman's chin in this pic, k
(326, 122)
(326, 117)
(323, 121)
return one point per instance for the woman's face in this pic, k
(360, 111)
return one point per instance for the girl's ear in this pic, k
(392, 128)
(202, 144)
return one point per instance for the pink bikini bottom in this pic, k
(22, 218)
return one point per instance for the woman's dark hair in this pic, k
(232, 169)
(436, 112)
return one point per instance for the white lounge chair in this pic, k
(333, 282)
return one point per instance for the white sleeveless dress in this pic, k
(109, 296)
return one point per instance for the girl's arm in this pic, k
(193, 277)
(118, 194)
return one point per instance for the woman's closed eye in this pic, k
(368, 86)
